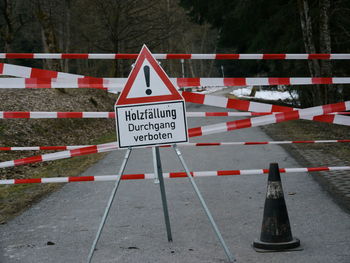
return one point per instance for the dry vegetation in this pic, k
(31, 132)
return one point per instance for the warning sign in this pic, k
(151, 124)
(149, 110)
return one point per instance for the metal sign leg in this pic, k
(229, 255)
(159, 173)
(109, 204)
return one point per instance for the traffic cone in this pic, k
(276, 234)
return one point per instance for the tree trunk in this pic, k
(67, 39)
(306, 28)
(168, 41)
(325, 47)
(48, 37)
(203, 41)
(116, 61)
(8, 32)
(190, 65)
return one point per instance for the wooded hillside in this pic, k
(103, 26)
(287, 26)
(226, 26)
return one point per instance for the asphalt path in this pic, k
(62, 227)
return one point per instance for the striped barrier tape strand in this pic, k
(246, 105)
(61, 155)
(194, 114)
(43, 148)
(103, 178)
(28, 72)
(58, 83)
(111, 115)
(54, 115)
(200, 131)
(21, 71)
(230, 82)
(312, 113)
(169, 56)
(199, 144)
(199, 98)
(115, 84)
(236, 104)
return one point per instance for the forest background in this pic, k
(185, 26)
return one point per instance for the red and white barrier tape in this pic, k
(118, 83)
(230, 82)
(99, 83)
(312, 113)
(43, 148)
(199, 131)
(28, 72)
(61, 155)
(111, 115)
(49, 79)
(188, 96)
(199, 144)
(54, 115)
(169, 56)
(103, 178)
(194, 114)
(245, 105)
(57, 83)
(241, 105)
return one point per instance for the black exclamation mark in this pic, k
(146, 71)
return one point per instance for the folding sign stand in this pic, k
(151, 112)
(158, 173)
(109, 204)
(229, 255)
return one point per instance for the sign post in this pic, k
(151, 112)
(159, 174)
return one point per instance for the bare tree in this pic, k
(43, 11)
(12, 23)
(325, 47)
(307, 31)
(122, 25)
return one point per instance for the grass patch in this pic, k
(308, 130)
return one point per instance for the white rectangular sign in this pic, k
(151, 124)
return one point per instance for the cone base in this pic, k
(281, 246)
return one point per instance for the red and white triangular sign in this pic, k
(149, 111)
(147, 82)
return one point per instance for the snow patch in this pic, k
(207, 90)
(265, 94)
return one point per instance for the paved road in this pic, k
(135, 229)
